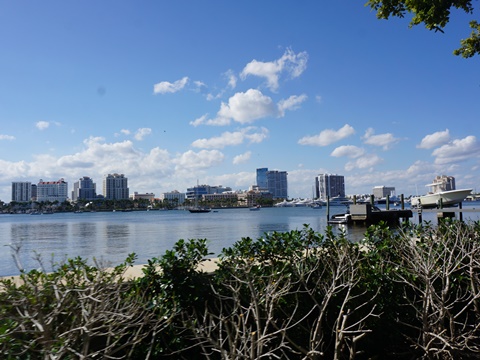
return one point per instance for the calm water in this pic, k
(111, 236)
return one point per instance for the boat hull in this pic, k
(446, 198)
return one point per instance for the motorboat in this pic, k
(339, 219)
(440, 198)
(255, 208)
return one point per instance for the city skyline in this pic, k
(169, 93)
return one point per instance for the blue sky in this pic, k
(171, 92)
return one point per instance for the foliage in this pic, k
(401, 293)
(435, 15)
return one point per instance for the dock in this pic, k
(368, 214)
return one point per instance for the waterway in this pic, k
(111, 236)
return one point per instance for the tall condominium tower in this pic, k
(262, 178)
(52, 191)
(277, 184)
(328, 185)
(84, 189)
(21, 191)
(115, 187)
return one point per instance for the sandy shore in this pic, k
(134, 272)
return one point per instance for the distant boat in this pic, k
(255, 208)
(199, 209)
(339, 201)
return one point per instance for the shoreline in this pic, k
(132, 272)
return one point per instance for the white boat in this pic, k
(284, 203)
(255, 208)
(440, 198)
(339, 201)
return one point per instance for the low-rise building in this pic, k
(147, 196)
(173, 197)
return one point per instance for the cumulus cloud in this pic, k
(436, 139)
(7, 137)
(292, 103)
(141, 133)
(350, 151)
(457, 151)
(232, 79)
(328, 136)
(247, 107)
(364, 162)
(242, 158)
(228, 138)
(292, 64)
(384, 140)
(168, 87)
(42, 125)
(203, 159)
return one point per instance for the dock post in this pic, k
(354, 199)
(420, 216)
(372, 200)
(402, 201)
(387, 203)
(460, 212)
(328, 208)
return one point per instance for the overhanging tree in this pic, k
(434, 14)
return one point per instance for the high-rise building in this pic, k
(84, 189)
(115, 187)
(21, 191)
(52, 191)
(262, 178)
(328, 186)
(277, 184)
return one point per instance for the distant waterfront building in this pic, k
(84, 189)
(52, 191)
(329, 185)
(253, 195)
(443, 183)
(148, 196)
(380, 192)
(21, 191)
(115, 187)
(34, 192)
(262, 178)
(277, 184)
(199, 190)
(173, 197)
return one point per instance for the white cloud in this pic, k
(232, 138)
(350, 151)
(247, 107)
(384, 140)
(167, 87)
(364, 162)
(293, 64)
(198, 160)
(242, 158)
(141, 133)
(457, 151)
(292, 103)
(327, 137)
(436, 139)
(7, 137)
(42, 125)
(232, 79)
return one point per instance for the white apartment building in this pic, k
(173, 197)
(52, 191)
(21, 191)
(115, 187)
